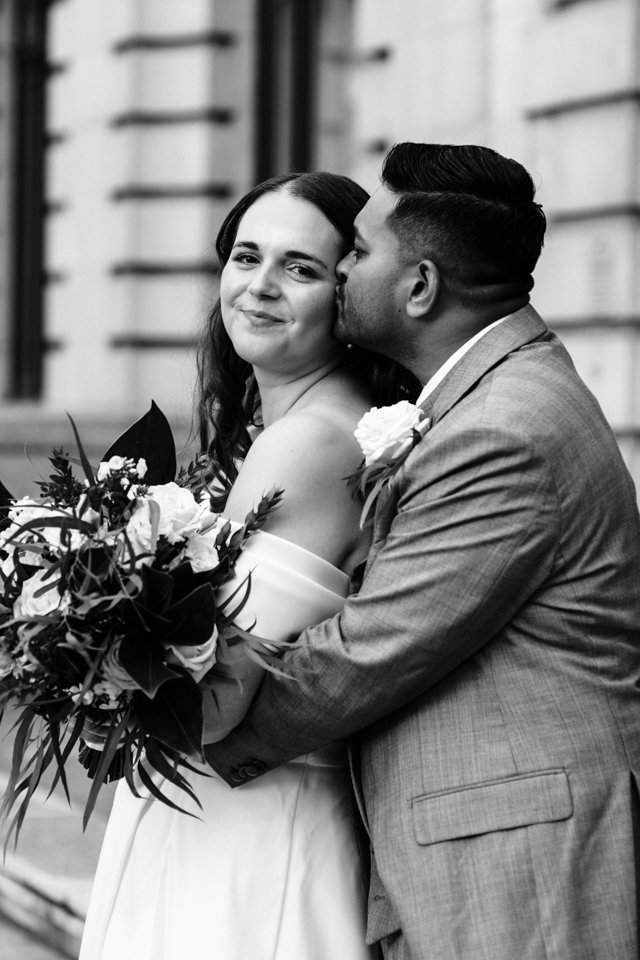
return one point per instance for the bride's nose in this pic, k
(264, 282)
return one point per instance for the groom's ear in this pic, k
(424, 289)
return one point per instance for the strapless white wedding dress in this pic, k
(270, 871)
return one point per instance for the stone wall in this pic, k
(151, 134)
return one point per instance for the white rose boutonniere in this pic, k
(385, 432)
(386, 436)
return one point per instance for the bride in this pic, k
(269, 871)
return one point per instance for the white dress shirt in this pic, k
(449, 364)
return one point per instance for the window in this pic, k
(22, 133)
(302, 51)
(565, 3)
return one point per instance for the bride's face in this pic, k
(277, 290)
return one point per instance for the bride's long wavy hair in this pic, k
(228, 401)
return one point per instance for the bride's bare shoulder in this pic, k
(339, 407)
(317, 431)
(308, 453)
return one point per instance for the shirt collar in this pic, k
(449, 364)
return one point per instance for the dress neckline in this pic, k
(279, 550)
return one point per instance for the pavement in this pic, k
(46, 880)
(16, 943)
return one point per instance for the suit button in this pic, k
(251, 771)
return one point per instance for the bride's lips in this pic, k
(262, 317)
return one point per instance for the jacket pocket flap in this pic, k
(517, 801)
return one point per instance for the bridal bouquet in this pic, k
(108, 614)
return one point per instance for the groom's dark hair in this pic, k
(470, 210)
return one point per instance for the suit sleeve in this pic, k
(474, 534)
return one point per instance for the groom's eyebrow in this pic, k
(290, 254)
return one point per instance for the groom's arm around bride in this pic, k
(490, 661)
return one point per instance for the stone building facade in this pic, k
(129, 127)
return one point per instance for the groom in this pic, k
(489, 668)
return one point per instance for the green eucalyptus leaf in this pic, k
(57, 522)
(157, 759)
(101, 775)
(156, 792)
(86, 466)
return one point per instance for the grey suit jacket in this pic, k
(491, 665)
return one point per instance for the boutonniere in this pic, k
(386, 435)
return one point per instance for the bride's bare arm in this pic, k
(227, 691)
(308, 457)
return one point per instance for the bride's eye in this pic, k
(303, 271)
(244, 259)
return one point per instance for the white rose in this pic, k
(22, 512)
(24, 509)
(33, 603)
(201, 551)
(386, 432)
(139, 529)
(141, 467)
(27, 510)
(179, 516)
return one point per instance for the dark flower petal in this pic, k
(157, 589)
(174, 715)
(149, 437)
(145, 662)
(6, 502)
(192, 619)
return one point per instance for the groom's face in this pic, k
(370, 312)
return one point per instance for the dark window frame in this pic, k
(286, 85)
(27, 135)
(559, 4)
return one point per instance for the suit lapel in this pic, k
(518, 329)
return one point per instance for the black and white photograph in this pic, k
(319, 480)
